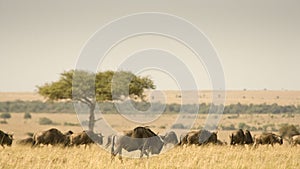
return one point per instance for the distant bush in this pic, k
(5, 116)
(3, 122)
(108, 107)
(229, 127)
(178, 126)
(288, 130)
(45, 121)
(71, 124)
(162, 127)
(27, 115)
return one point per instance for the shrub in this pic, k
(45, 121)
(178, 126)
(3, 122)
(5, 116)
(288, 130)
(71, 124)
(27, 115)
(230, 127)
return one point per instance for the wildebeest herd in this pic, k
(143, 139)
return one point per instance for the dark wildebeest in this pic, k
(85, 138)
(52, 137)
(26, 141)
(295, 140)
(200, 137)
(267, 138)
(248, 138)
(140, 138)
(5, 139)
(237, 137)
(170, 138)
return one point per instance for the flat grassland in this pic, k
(210, 156)
(282, 97)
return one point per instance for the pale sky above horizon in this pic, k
(258, 42)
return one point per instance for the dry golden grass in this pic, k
(187, 157)
(245, 97)
(282, 97)
(190, 157)
(26, 96)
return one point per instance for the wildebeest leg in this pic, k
(145, 148)
(2, 146)
(120, 155)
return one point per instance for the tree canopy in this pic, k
(89, 88)
(103, 86)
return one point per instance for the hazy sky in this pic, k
(258, 42)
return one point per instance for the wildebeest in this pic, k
(200, 137)
(240, 138)
(26, 141)
(52, 136)
(5, 139)
(295, 140)
(140, 138)
(237, 138)
(267, 138)
(85, 138)
(170, 138)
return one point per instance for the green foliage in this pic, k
(45, 121)
(5, 116)
(229, 127)
(109, 107)
(178, 126)
(27, 115)
(82, 85)
(3, 122)
(71, 124)
(89, 88)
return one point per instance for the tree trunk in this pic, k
(92, 117)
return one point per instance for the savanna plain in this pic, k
(210, 156)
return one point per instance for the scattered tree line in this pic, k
(110, 108)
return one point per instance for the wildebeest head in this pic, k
(207, 137)
(278, 139)
(169, 138)
(99, 138)
(6, 138)
(9, 139)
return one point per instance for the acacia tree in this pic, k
(90, 88)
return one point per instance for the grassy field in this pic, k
(283, 156)
(282, 97)
(187, 157)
